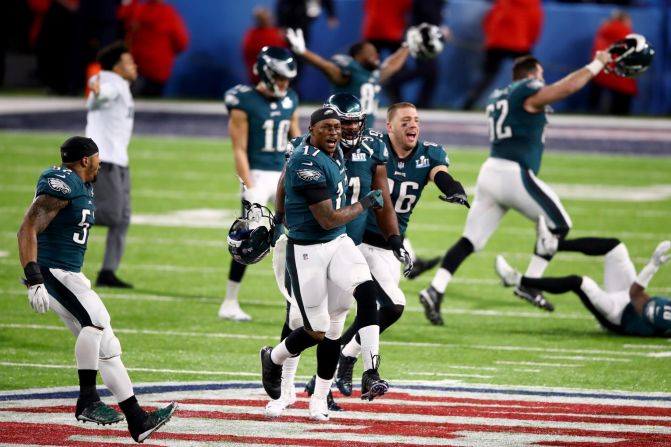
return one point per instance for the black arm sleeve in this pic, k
(447, 184)
(314, 194)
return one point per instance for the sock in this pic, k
(328, 352)
(289, 368)
(441, 279)
(322, 387)
(115, 377)
(457, 254)
(351, 349)
(366, 295)
(591, 246)
(554, 285)
(87, 347)
(87, 389)
(132, 410)
(370, 345)
(536, 267)
(232, 289)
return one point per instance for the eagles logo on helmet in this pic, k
(349, 109)
(250, 235)
(631, 56)
(274, 62)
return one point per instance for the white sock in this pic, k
(322, 387)
(289, 368)
(115, 377)
(351, 349)
(536, 267)
(232, 289)
(370, 344)
(87, 348)
(441, 279)
(280, 354)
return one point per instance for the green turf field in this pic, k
(168, 324)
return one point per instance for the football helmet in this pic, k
(348, 109)
(250, 235)
(273, 63)
(426, 41)
(631, 56)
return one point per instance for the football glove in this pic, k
(372, 199)
(459, 198)
(38, 298)
(296, 40)
(396, 243)
(413, 40)
(660, 256)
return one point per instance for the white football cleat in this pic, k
(509, 276)
(230, 310)
(319, 408)
(276, 407)
(546, 242)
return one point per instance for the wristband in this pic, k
(278, 218)
(366, 202)
(595, 67)
(33, 274)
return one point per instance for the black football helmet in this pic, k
(250, 236)
(273, 62)
(349, 109)
(631, 56)
(426, 41)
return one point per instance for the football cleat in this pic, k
(533, 296)
(422, 265)
(371, 384)
(546, 242)
(230, 310)
(431, 299)
(275, 408)
(509, 276)
(330, 401)
(319, 410)
(152, 422)
(99, 413)
(107, 278)
(343, 377)
(271, 374)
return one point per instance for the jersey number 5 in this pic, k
(497, 131)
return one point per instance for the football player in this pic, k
(322, 261)
(365, 155)
(508, 179)
(52, 244)
(412, 164)
(261, 121)
(622, 306)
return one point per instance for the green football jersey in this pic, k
(363, 83)
(516, 134)
(407, 178)
(269, 124)
(309, 167)
(655, 320)
(63, 243)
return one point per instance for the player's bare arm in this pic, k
(294, 129)
(329, 218)
(391, 65)
(38, 217)
(238, 128)
(386, 216)
(279, 194)
(331, 70)
(566, 86)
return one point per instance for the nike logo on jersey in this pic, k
(58, 175)
(309, 163)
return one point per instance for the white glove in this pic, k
(660, 255)
(296, 40)
(413, 39)
(38, 298)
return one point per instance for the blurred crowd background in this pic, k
(200, 48)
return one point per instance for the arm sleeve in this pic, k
(314, 193)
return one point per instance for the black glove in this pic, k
(396, 243)
(452, 190)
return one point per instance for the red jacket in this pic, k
(385, 19)
(155, 34)
(254, 40)
(610, 32)
(513, 25)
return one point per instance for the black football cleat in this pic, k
(151, 422)
(107, 278)
(420, 266)
(330, 401)
(271, 374)
(431, 299)
(533, 296)
(371, 384)
(343, 377)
